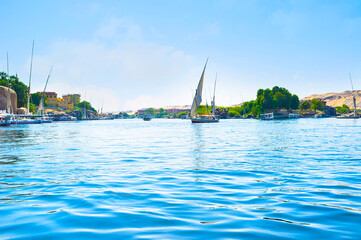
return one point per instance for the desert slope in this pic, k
(338, 99)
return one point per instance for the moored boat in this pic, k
(267, 116)
(147, 118)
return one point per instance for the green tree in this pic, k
(342, 110)
(181, 114)
(233, 114)
(305, 105)
(86, 105)
(150, 111)
(268, 99)
(317, 104)
(32, 108)
(295, 102)
(202, 110)
(279, 100)
(36, 97)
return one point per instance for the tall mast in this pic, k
(353, 97)
(8, 102)
(43, 96)
(31, 68)
(102, 106)
(214, 97)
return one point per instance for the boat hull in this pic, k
(26, 122)
(351, 117)
(204, 120)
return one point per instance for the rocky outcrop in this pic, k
(3, 99)
(79, 115)
(338, 99)
(75, 113)
(223, 114)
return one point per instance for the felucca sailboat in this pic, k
(210, 118)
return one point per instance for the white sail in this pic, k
(198, 96)
(41, 104)
(41, 107)
(214, 98)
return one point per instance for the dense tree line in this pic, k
(267, 100)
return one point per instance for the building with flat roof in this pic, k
(67, 102)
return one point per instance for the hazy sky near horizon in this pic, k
(150, 53)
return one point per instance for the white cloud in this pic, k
(129, 68)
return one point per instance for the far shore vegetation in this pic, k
(267, 100)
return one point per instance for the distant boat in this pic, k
(147, 118)
(353, 115)
(195, 118)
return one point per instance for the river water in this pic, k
(170, 179)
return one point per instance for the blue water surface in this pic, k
(170, 179)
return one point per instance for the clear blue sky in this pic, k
(145, 53)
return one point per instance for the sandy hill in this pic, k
(338, 99)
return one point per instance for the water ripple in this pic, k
(169, 179)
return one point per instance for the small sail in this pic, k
(198, 96)
(41, 104)
(214, 98)
(41, 107)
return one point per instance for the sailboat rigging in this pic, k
(195, 118)
(354, 114)
(31, 68)
(41, 109)
(354, 99)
